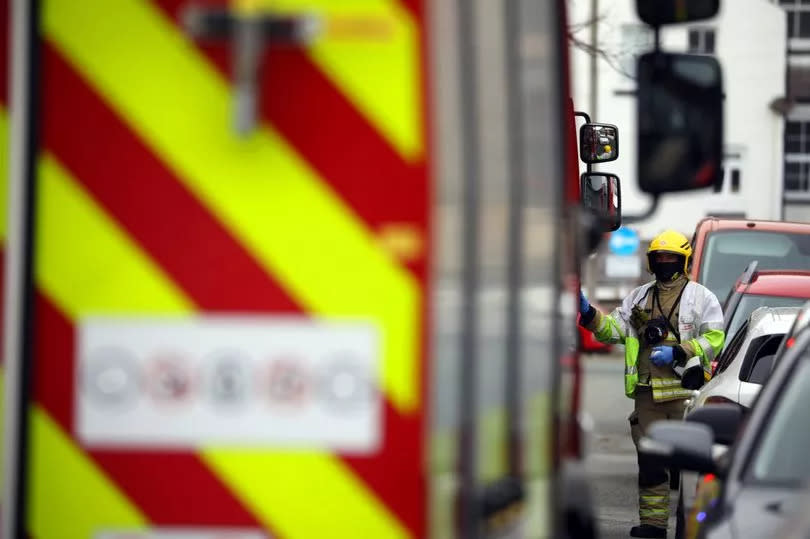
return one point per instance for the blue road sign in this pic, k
(624, 241)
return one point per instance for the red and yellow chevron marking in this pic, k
(137, 124)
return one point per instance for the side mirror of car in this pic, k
(676, 444)
(598, 143)
(680, 122)
(601, 196)
(724, 420)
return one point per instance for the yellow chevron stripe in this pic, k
(259, 188)
(70, 497)
(312, 500)
(370, 49)
(86, 263)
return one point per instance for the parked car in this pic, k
(745, 363)
(743, 367)
(722, 248)
(763, 288)
(751, 490)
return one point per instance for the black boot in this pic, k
(647, 530)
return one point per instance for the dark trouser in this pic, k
(653, 480)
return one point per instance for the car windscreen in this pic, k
(785, 440)
(727, 253)
(750, 302)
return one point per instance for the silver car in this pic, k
(742, 368)
(746, 361)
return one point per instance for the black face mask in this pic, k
(665, 271)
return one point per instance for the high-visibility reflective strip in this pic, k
(86, 263)
(708, 326)
(370, 50)
(70, 498)
(665, 382)
(304, 494)
(653, 512)
(653, 499)
(259, 188)
(661, 395)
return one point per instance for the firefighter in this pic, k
(662, 324)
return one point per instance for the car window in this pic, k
(764, 345)
(750, 302)
(727, 253)
(785, 441)
(732, 348)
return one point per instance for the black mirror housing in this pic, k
(676, 444)
(724, 420)
(661, 12)
(598, 143)
(680, 122)
(601, 195)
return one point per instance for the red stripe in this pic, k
(175, 488)
(395, 473)
(417, 9)
(170, 488)
(131, 183)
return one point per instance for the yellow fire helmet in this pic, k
(673, 242)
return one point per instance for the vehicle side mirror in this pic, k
(676, 444)
(598, 143)
(601, 195)
(680, 122)
(724, 420)
(660, 12)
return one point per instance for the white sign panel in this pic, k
(242, 381)
(623, 266)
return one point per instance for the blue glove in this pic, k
(662, 356)
(584, 306)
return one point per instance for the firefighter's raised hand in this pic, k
(584, 306)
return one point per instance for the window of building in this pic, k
(797, 176)
(701, 40)
(797, 156)
(798, 18)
